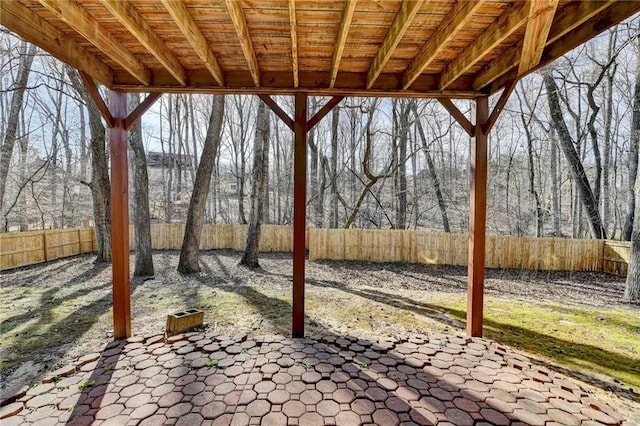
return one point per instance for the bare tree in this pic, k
(100, 185)
(189, 254)
(260, 158)
(141, 215)
(573, 159)
(27, 52)
(634, 151)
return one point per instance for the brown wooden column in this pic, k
(120, 216)
(299, 211)
(477, 216)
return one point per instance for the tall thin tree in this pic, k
(258, 181)
(190, 253)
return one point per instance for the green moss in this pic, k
(590, 340)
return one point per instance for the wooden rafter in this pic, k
(345, 23)
(192, 33)
(293, 26)
(512, 19)
(566, 20)
(17, 18)
(539, 22)
(97, 98)
(142, 107)
(455, 20)
(322, 112)
(405, 15)
(128, 16)
(244, 37)
(82, 22)
(277, 110)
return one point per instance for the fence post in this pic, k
(44, 245)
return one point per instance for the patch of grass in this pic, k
(212, 362)
(87, 384)
(603, 341)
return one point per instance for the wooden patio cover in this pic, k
(443, 49)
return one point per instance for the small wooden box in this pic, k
(184, 321)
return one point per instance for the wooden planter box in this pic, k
(183, 321)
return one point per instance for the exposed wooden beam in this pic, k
(77, 18)
(497, 109)
(97, 98)
(512, 19)
(142, 107)
(244, 37)
(299, 213)
(322, 112)
(192, 33)
(345, 24)
(457, 115)
(25, 23)
(477, 217)
(121, 292)
(293, 26)
(539, 22)
(277, 110)
(565, 20)
(574, 14)
(407, 12)
(455, 20)
(128, 16)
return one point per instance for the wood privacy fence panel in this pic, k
(169, 236)
(555, 254)
(26, 248)
(615, 257)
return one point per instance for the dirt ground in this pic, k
(55, 312)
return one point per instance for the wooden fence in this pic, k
(555, 254)
(25, 248)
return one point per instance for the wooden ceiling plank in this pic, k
(403, 19)
(294, 41)
(183, 19)
(573, 15)
(539, 23)
(512, 19)
(244, 37)
(455, 20)
(85, 24)
(566, 20)
(21, 20)
(345, 23)
(128, 16)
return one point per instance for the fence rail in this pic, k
(555, 254)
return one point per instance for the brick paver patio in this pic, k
(194, 379)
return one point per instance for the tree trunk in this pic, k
(401, 173)
(555, 193)
(632, 289)
(100, 184)
(633, 157)
(141, 216)
(573, 159)
(189, 254)
(260, 159)
(432, 171)
(335, 117)
(27, 52)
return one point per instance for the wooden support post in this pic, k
(477, 216)
(299, 212)
(120, 217)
